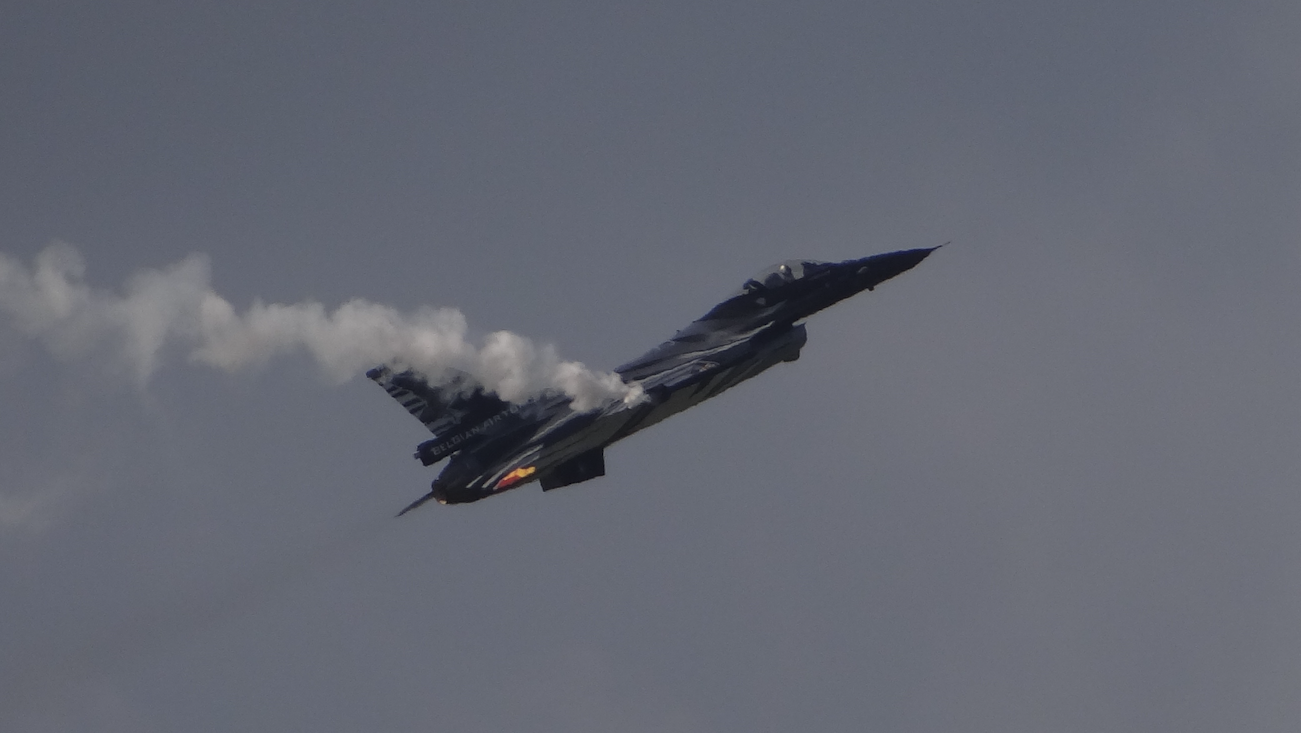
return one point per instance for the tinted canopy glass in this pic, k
(778, 275)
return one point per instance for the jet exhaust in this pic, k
(161, 311)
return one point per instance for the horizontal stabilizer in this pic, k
(418, 502)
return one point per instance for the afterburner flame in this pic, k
(516, 476)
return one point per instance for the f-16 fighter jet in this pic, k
(494, 445)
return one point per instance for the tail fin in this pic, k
(447, 409)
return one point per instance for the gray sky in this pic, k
(1049, 480)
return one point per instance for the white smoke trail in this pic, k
(175, 305)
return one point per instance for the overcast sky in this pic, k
(1050, 480)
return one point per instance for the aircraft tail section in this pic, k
(454, 412)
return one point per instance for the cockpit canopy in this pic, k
(778, 275)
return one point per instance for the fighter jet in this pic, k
(495, 445)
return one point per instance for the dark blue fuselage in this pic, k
(497, 446)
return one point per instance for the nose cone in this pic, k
(874, 270)
(846, 279)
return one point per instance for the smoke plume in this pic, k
(175, 308)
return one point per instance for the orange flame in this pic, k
(516, 476)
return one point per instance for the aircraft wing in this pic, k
(694, 349)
